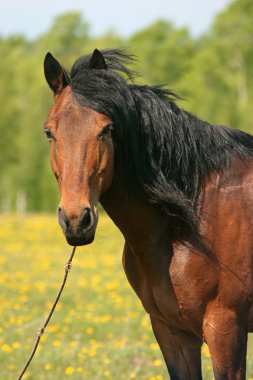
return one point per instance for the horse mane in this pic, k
(167, 152)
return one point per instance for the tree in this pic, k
(221, 80)
(67, 38)
(165, 52)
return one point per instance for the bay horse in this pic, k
(181, 192)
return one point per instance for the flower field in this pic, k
(99, 329)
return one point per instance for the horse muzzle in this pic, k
(78, 230)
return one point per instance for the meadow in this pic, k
(99, 329)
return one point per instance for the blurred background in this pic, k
(202, 50)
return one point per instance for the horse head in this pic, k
(82, 153)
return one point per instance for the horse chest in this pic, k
(166, 292)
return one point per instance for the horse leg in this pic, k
(226, 335)
(181, 351)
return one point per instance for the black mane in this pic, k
(165, 150)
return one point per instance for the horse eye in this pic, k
(48, 134)
(106, 131)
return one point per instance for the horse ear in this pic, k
(54, 74)
(97, 60)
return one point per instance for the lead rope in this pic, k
(43, 328)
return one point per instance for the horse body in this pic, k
(195, 282)
(199, 297)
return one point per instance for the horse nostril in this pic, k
(86, 219)
(63, 219)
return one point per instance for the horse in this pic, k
(179, 189)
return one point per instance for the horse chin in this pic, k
(79, 240)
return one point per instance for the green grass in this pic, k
(99, 329)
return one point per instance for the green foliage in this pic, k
(222, 69)
(67, 36)
(213, 72)
(164, 52)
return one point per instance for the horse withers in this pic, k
(181, 192)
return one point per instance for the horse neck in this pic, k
(141, 222)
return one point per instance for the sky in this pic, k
(32, 18)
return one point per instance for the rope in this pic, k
(43, 328)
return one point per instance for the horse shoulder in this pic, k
(227, 224)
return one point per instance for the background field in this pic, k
(99, 330)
